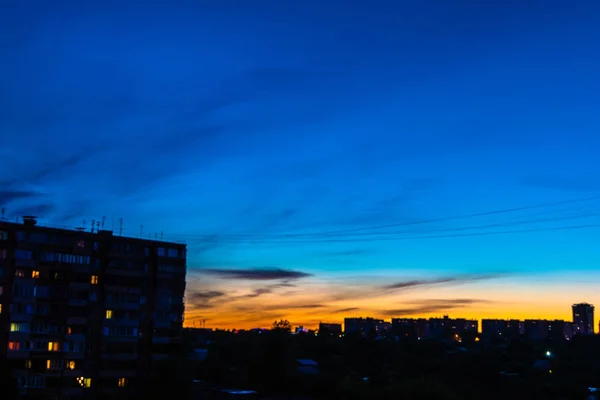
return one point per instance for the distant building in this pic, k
(330, 329)
(449, 327)
(433, 327)
(86, 313)
(365, 326)
(500, 328)
(541, 329)
(583, 319)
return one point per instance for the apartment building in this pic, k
(502, 328)
(366, 326)
(583, 318)
(86, 314)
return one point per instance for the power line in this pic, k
(480, 214)
(560, 228)
(353, 232)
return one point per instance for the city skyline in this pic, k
(319, 159)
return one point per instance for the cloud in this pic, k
(429, 306)
(342, 310)
(38, 210)
(204, 296)
(257, 293)
(203, 299)
(256, 274)
(294, 306)
(438, 281)
(8, 196)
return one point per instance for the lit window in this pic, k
(14, 345)
(19, 327)
(54, 364)
(122, 382)
(94, 279)
(35, 274)
(84, 382)
(69, 330)
(108, 314)
(28, 364)
(0, 308)
(71, 364)
(53, 346)
(19, 273)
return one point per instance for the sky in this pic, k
(321, 159)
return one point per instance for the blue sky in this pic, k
(228, 124)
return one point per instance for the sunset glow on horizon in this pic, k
(321, 159)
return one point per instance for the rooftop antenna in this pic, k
(97, 226)
(93, 223)
(3, 212)
(103, 221)
(121, 226)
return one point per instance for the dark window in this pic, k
(24, 254)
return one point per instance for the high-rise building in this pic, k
(583, 319)
(501, 328)
(365, 326)
(86, 312)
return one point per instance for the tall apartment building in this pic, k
(501, 328)
(450, 327)
(541, 329)
(365, 326)
(583, 318)
(86, 314)
(410, 327)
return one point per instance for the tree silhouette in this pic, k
(283, 325)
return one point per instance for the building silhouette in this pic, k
(583, 318)
(332, 329)
(501, 328)
(86, 312)
(365, 326)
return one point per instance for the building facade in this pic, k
(331, 329)
(86, 314)
(583, 319)
(365, 326)
(501, 328)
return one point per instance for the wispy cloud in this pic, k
(343, 310)
(256, 274)
(459, 279)
(429, 306)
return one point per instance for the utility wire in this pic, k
(354, 233)
(259, 241)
